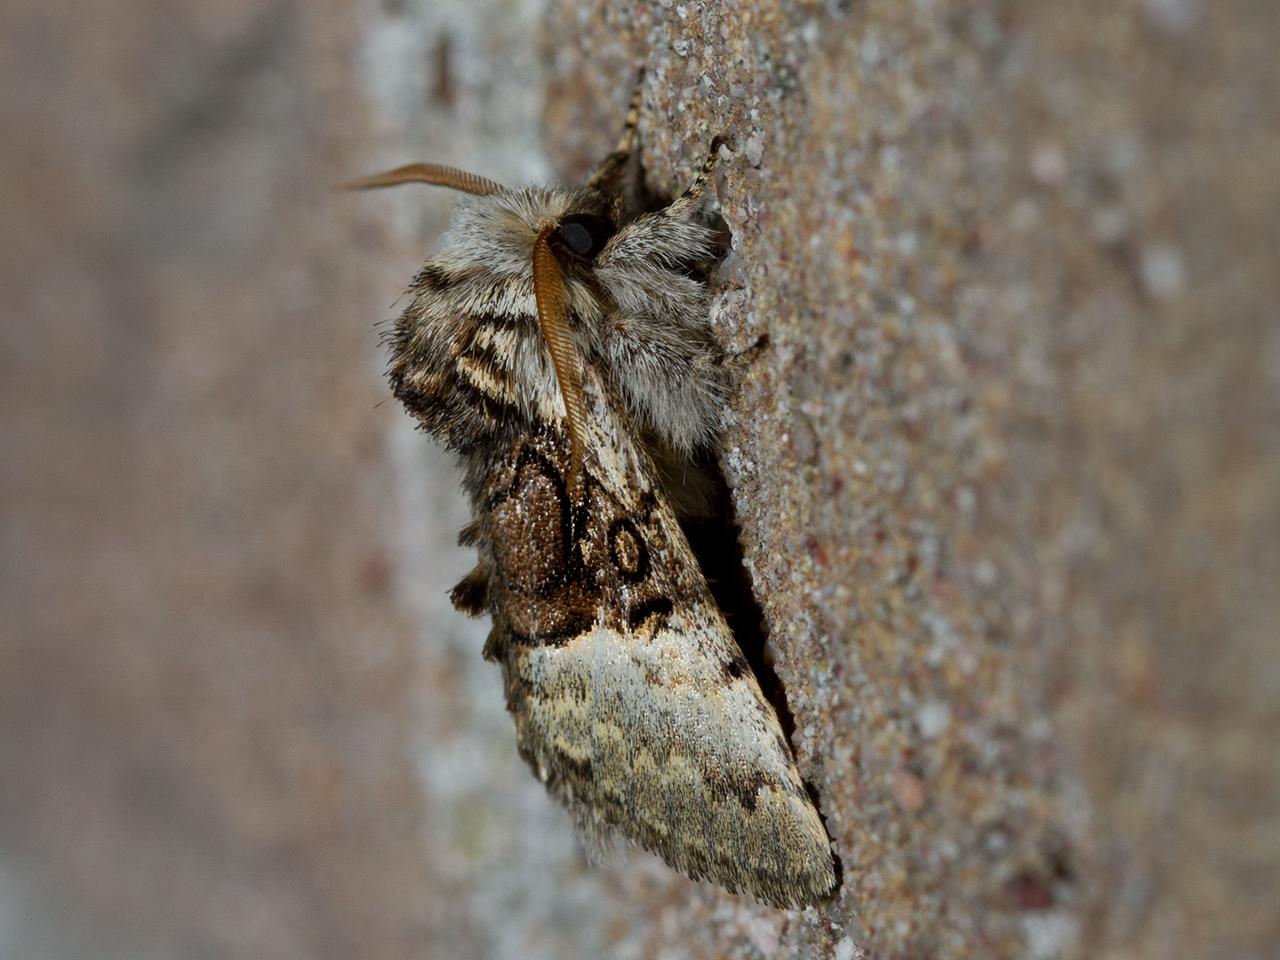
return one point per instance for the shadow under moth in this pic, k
(559, 344)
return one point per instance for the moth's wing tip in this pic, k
(818, 876)
(810, 889)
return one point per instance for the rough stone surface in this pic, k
(1001, 306)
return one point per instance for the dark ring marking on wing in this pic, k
(628, 551)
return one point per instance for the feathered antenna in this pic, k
(433, 173)
(553, 318)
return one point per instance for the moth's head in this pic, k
(497, 233)
(577, 224)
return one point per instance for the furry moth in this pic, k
(559, 344)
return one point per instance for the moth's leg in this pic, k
(676, 234)
(690, 202)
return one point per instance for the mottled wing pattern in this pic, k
(631, 698)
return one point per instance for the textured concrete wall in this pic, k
(1001, 306)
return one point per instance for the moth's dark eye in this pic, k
(584, 234)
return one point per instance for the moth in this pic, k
(559, 344)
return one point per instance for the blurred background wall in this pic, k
(1002, 309)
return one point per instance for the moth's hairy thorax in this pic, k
(468, 358)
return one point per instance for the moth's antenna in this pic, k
(432, 173)
(553, 318)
